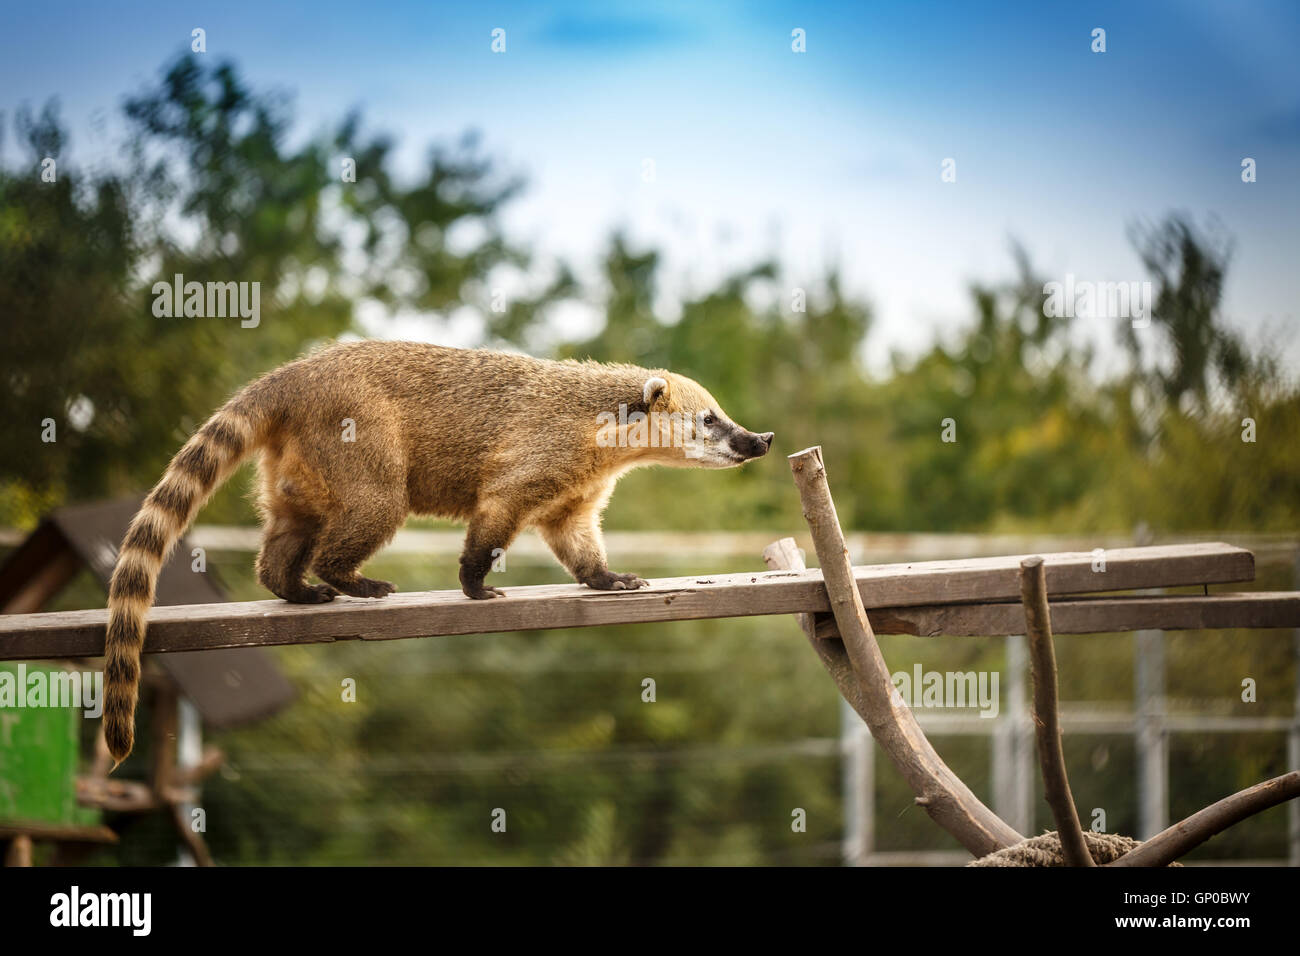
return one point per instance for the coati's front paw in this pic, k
(612, 581)
(483, 592)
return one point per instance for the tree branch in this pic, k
(1047, 727)
(947, 800)
(1168, 845)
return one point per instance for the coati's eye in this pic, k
(708, 420)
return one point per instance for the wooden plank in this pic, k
(628, 548)
(431, 613)
(981, 580)
(1260, 609)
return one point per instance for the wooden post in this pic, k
(1150, 737)
(859, 812)
(165, 777)
(1047, 723)
(1013, 743)
(194, 843)
(189, 752)
(1293, 735)
(20, 851)
(944, 796)
(164, 719)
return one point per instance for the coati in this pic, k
(357, 436)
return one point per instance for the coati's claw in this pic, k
(611, 581)
(485, 592)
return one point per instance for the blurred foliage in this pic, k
(211, 190)
(212, 185)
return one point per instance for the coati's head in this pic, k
(677, 422)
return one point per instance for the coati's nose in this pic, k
(766, 439)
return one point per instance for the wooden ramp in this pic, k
(967, 597)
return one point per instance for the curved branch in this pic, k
(947, 800)
(1168, 845)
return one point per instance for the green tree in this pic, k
(1188, 268)
(212, 189)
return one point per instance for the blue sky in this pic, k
(829, 155)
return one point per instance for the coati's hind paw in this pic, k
(312, 594)
(366, 588)
(483, 592)
(612, 581)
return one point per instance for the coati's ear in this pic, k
(655, 389)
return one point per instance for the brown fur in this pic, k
(500, 441)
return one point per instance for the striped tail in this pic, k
(206, 461)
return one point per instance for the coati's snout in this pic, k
(724, 444)
(751, 445)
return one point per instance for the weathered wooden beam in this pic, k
(429, 613)
(1101, 615)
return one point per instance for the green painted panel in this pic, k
(39, 751)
